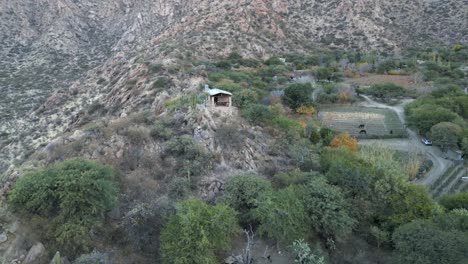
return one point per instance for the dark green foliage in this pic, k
(162, 83)
(191, 159)
(377, 190)
(294, 177)
(455, 201)
(244, 98)
(422, 242)
(411, 203)
(282, 216)
(304, 255)
(179, 189)
(455, 103)
(386, 66)
(326, 135)
(257, 113)
(315, 137)
(454, 220)
(434, 71)
(74, 196)
(226, 64)
(242, 194)
(446, 135)
(426, 116)
(160, 131)
(384, 91)
(328, 74)
(327, 209)
(274, 61)
(448, 90)
(196, 232)
(155, 67)
(297, 95)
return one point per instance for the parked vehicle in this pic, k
(426, 141)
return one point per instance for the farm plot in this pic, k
(362, 122)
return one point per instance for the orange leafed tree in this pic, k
(344, 140)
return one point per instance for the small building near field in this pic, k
(217, 97)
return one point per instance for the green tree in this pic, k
(282, 216)
(422, 242)
(71, 198)
(328, 74)
(294, 177)
(426, 116)
(455, 201)
(245, 97)
(327, 209)
(242, 194)
(257, 113)
(413, 202)
(446, 135)
(385, 90)
(303, 254)
(196, 232)
(297, 95)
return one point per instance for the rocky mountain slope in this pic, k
(52, 45)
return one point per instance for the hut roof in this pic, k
(216, 91)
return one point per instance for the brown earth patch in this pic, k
(406, 81)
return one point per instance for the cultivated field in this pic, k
(401, 80)
(450, 182)
(378, 123)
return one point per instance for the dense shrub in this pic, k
(422, 242)
(455, 201)
(179, 189)
(426, 116)
(72, 197)
(155, 67)
(384, 91)
(446, 135)
(244, 98)
(242, 194)
(160, 131)
(386, 66)
(294, 177)
(297, 95)
(282, 216)
(191, 159)
(162, 83)
(196, 232)
(257, 113)
(327, 208)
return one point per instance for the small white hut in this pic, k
(218, 98)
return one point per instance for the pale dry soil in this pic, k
(440, 165)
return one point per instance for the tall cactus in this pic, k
(56, 259)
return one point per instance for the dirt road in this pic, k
(413, 143)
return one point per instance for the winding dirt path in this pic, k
(440, 165)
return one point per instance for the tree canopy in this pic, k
(446, 135)
(74, 195)
(196, 232)
(422, 242)
(297, 95)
